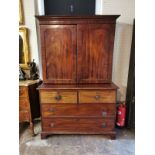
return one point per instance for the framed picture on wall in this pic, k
(21, 13)
(24, 56)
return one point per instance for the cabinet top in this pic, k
(114, 17)
(103, 18)
(28, 82)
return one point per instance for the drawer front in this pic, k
(81, 110)
(24, 116)
(105, 96)
(23, 92)
(58, 97)
(77, 125)
(23, 104)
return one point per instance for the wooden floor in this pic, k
(75, 144)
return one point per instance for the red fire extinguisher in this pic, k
(121, 113)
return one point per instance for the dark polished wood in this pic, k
(81, 110)
(49, 20)
(95, 48)
(78, 125)
(58, 53)
(77, 95)
(75, 52)
(101, 86)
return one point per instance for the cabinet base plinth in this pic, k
(112, 134)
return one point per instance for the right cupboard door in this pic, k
(94, 50)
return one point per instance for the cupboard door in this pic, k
(58, 53)
(95, 48)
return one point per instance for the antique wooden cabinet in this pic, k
(29, 107)
(77, 94)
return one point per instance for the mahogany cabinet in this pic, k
(77, 94)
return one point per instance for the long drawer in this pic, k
(58, 96)
(104, 96)
(77, 125)
(80, 110)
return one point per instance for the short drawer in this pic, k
(23, 104)
(77, 125)
(58, 97)
(105, 96)
(24, 116)
(80, 110)
(23, 92)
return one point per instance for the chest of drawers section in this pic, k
(78, 110)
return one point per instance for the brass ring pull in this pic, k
(104, 125)
(52, 110)
(52, 125)
(97, 97)
(58, 97)
(104, 113)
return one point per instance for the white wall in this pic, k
(98, 7)
(126, 8)
(29, 16)
(123, 37)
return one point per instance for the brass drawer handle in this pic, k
(103, 125)
(58, 97)
(97, 97)
(52, 109)
(52, 125)
(104, 113)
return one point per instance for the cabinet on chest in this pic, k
(77, 95)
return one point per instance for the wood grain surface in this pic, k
(78, 125)
(59, 53)
(95, 49)
(106, 96)
(80, 110)
(58, 97)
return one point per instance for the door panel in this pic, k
(95, 48)
(59, 53)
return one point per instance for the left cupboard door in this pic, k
(58, 48)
